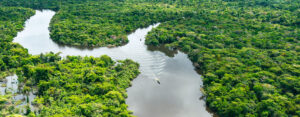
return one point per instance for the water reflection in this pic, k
(163, 49)
(11, 86)
(178, 93)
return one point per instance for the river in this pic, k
(178, 93)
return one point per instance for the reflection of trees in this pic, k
(167, 51)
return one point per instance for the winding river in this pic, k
(177, 95)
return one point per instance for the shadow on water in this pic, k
(168, 85)
(168, 52)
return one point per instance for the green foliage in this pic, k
(100, 22)
(80, 86)
(12, 55)
(75, 86)
(249, 55)
(8, 106)
(248, 52)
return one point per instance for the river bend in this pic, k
(177, 95)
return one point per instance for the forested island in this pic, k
(247, 52)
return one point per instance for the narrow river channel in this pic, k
(177, 95)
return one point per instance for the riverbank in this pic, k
(178, 93)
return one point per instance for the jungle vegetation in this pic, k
(248, 51)
(12, 55)
(72, 86)
(248, 55)
(79, 86)
(102, 23)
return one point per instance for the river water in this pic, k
(168, 85)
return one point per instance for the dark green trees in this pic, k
(248, 55)
(81, 86)
(248, 52)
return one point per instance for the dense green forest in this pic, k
(248, 52)
(104, 23)
(12, 55)
(101, 23)
(248, 55)
(74, 86)
(80, 86)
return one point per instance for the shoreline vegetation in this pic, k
(80, 86)
(73, 86)
(247, 51)
(249, 58)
